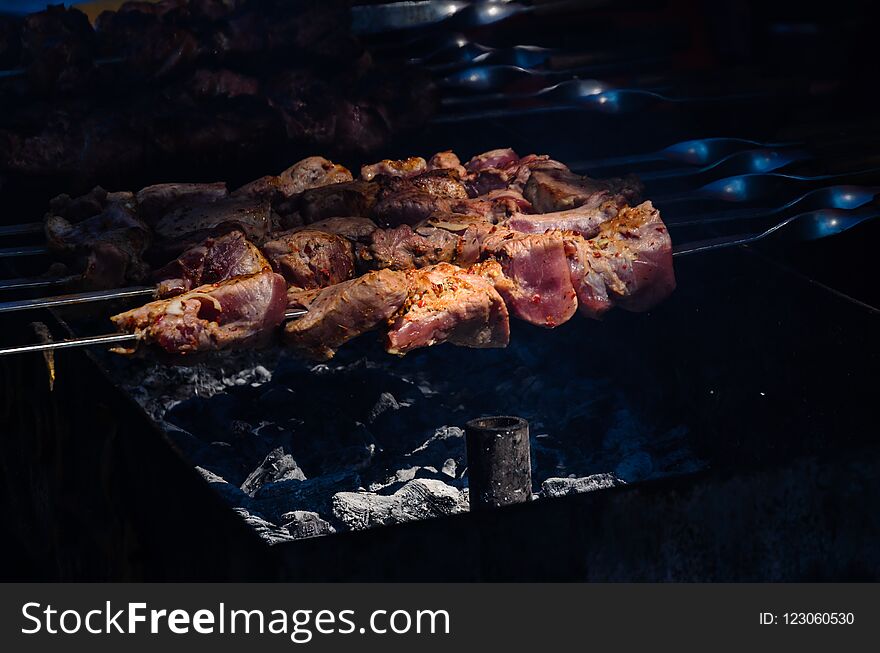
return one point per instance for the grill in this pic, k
(724, 435)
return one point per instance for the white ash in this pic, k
(277, 466)
(230, 493)
(302, 524)
(417, 499)
(314, 495)
(368, 425)
(560, 487)
(270, 532)
(158, 387)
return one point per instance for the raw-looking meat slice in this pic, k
(238, 312)
(214, 260)
(628, 264)
(448, 304)
(535, 278)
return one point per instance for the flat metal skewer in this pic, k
(27, 283)
(88, 341)
(811, 225)
(24, 250)
(77, 298)
(24, 228)
(107, 339)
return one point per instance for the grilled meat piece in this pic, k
(214, 260)
(550, 188)
(157, 200)
(238, 312)
(628, 264)
(402, 248)
(168, 36)
(312, 172)
(189, 224)
(493, 160)
(448, 304)
(57, 47)
(408, 206)
(356, 198)
(355, 229)
(584, 220)
(184, 94)
(344, 311)
(415, 199)
(311, 259)
(447, 160)
(502, 169)
(414, 165)
(221, 83)
(533, 277)
(109, 247)
(85, 206)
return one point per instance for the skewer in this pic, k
(29, 283)
(819, 223)
(107, 339)
(811, 226)
(26, 228)
(23, 250)
(77, 298)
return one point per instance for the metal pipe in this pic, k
(499, 461)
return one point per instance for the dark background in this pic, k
(830, 47)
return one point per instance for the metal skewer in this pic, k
(88, 341)
(28, 283)
(77, 298)
(804, 226)
(816, 224)
(24, 250)
(108, 339)
(26, 228)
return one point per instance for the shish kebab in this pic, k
(540, 278)
(533, 274)
(511, 273)
(113, 233)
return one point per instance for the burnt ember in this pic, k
(301, 449)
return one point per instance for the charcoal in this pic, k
(560, 487)
(403, 476)
(218, 458)
(367, 421)
(446, 444)
(271, 533)
(231, 494)
(314, 494)
(302, 524)
(417, 499)
(277, 466)
(386, 402)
